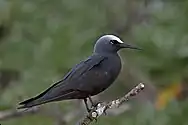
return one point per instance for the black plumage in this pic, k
(87, 78)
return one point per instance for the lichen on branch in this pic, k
(102, 107)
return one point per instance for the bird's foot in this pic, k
(89, 110)
(95, 104)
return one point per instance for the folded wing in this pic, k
(71, 86)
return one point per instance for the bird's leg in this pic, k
(87, 107)
(91, 101)
(93, 104)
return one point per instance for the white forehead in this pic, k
(112, 37)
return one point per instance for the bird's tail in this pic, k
(37, 100)
(30, 103)
(41, 99)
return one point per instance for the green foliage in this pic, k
(34, 119)
(45, 38)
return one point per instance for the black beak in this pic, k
(124, 45)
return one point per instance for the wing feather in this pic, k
(59, 89)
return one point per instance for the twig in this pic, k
(59, 116)
(52, 112)
(16, 113)
(93, 115)
(102, 107)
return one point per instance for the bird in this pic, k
(89, 77)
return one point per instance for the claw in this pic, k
(95, 104)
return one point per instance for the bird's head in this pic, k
(111, 44)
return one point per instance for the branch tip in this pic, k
(102, 107)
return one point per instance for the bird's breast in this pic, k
(106, 74)
(112, 67)
(99, 77)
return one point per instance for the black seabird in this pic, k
(89, 77)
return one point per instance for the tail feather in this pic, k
(30, 103)
(38, 100)
(27, 101)
(41, 99)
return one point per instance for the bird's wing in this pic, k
(68, 85)
(84, 66)
(80, 71)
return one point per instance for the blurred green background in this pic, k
(40, 40)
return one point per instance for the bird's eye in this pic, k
(114, 42)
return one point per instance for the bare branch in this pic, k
(102, 107)
(50, 112)
(17, 113)
(95, 113)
